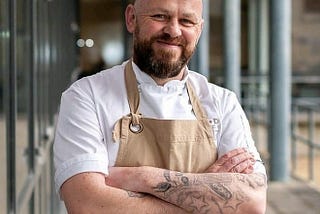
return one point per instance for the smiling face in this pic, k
(165, 34)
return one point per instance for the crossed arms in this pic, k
(228, 186)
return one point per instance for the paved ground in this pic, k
(293, 197)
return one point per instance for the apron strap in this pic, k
(134, 98)
(132, 88)
(196, 105)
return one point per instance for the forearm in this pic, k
(214, 192)
(88, 193)
(200, 193)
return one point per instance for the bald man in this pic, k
(152, 136)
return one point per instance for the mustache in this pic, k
(164, 37)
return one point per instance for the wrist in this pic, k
(145, 178)
(149, 177)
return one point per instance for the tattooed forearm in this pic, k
(203, 193)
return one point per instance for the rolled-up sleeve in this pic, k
(79, 143)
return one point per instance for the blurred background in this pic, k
(266, 51)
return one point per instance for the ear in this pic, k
(200, 30)
(202, 24)
(130, 18)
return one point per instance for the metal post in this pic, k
(232, 40)
(200, 59)
(262, 52)
(31, 5)
(251, 95)
(280, 88)
(294, 128)
(311, 142)
(11, 111)
(252, 36)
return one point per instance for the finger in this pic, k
(243, 166)
(249, 170)
(226, 157)
(229, 160)
(235, 161)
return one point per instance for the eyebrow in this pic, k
(186, 14)
(192, 16)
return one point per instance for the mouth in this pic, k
(169, 44)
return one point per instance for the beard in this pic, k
(159, 63)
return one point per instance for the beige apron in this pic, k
(181, 145)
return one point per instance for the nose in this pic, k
(173, 28)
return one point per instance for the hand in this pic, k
(236, 161)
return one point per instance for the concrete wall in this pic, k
(306, 37)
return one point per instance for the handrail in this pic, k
(311, 109)
(305, 115)
(32, 180)
(262, 78)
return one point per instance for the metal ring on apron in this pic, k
(137, 128)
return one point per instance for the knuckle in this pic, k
(227, 156)
(234, 160)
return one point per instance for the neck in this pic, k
(162, 82)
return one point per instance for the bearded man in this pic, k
(152, 136)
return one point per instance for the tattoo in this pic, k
(207, 193)
(221, 179)
(162, 187)
(135, 194)
(199, 203)
(166, 175)
(260, 180)
(185, 180)
(239, 198)
(254, 182)
(222, 191)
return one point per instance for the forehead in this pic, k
(185, 7)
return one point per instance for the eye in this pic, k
(188, 22)
(160, 17)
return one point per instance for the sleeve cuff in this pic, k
(82, 163)
(260, 168)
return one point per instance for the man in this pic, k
(150, 136)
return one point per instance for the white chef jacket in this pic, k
(91, 106)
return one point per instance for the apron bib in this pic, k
(180, 145)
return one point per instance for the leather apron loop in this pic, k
(135, 125)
